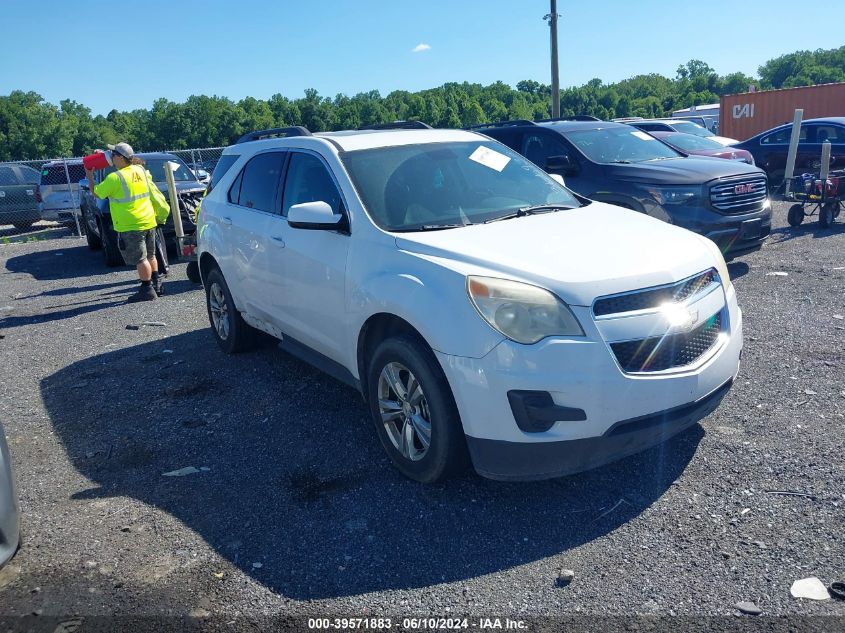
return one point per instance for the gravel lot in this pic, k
(296, 509)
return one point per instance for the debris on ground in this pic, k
(564, 577)
(138, 326)
(837, 590)
(839, 317)
(219, 575)
(791, 493)
(810, 392)
(777, 273)
(749, 607)
(257, 565)
(811, 588)
(187, 470)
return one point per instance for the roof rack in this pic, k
(576, 117)
(296, 130)
(397, 125)
(481, 126)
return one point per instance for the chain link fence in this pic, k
(45, 193)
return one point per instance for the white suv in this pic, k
(483, 310)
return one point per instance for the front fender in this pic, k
(433, 299)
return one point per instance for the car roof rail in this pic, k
(397, 125)
(296, 130)
(574, 117)
(512, 123)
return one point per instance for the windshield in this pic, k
(156, 168)
(440, 185)
(621, 144)
(688, 127)
(690, 143)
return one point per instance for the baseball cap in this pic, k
(124, 149)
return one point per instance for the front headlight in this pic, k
(522, 312)
(673, 195)
(721, 266)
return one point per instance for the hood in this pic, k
(695, 170)
(578, 254)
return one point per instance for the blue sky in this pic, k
(244, 48)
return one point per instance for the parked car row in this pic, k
(485, 311)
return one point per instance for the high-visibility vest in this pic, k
(130, 207)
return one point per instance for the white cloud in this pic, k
(419, 48)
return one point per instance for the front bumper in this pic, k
(734, 234)
(623, 412)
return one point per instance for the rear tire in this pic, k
(111, 254)
(192, 270)
(826, 214)
(231, 332)
(795, 216)
(414, 411)
(23, 226)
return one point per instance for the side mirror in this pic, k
(83, 184)
(558, 179)
(563, 164)
(316, 215)
(202, 175)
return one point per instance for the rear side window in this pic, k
(223, 165)
(30, 176)
(258, 182)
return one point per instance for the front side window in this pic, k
(538, 148)
(258, 182)
(308, 180)
(441, 185)
(822, 133)
(620, 145)
(782, 136)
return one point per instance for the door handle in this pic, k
(227, 220)
(280, 242)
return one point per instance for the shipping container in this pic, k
(741, 116)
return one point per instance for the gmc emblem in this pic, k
(739, 189)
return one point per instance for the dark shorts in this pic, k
(136, 246)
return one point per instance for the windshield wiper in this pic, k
(532, 210)
(431, 227)
(621, 162)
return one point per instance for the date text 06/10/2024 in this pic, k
(415, 624)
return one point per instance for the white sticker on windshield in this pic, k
(174, 165)
(643, 135)
(489, 158)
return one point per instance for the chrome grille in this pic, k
(740, 196)
(666, 352)
(654, 297)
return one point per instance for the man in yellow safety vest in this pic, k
(132, 216)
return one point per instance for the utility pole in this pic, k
(552, 18)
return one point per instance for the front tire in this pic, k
(232, 333)
(93, 240)
(414, 411)
(795, 216)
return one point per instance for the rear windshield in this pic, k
(55, 174)
(619, 145)
(689, 142)
(688, 127)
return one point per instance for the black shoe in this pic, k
(145, 293)
(159, 287)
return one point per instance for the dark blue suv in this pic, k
(770, 148)
(724, 200)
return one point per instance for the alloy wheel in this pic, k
(404, 411)
(219, 310)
